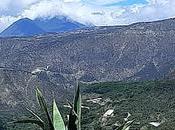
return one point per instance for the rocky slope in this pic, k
(53, 61)
(107, 105)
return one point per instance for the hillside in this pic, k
(141, 51)
(149, 101)
(146, 102)
(135, 52)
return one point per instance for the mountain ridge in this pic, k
(97, 54)
(22, 27)
(58, 24)
(27, 27)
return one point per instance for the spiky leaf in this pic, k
(57, 118)
(34, 115)
(30, 121)
(77, 106)
(72, 125)
(47, 120)
(126, 125)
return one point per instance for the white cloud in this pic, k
(6, 21)
(13, 7)
(86, 11)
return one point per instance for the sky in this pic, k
(96, 12)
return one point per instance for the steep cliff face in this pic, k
(53, 61)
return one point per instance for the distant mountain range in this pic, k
(140, 51)
(22, 27)
(137, 52)
(58, 24)
(28, 27)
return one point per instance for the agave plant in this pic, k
(75, 112)
(126, 125)
(56, 123)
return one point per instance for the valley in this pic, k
(125, 69)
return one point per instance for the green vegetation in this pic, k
(2, 125)
(56, 123)
(147, 102)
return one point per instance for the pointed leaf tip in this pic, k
(42, 103)
(57, 118)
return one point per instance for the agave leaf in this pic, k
(77, 106)
(126, 125)
(69, 104)
(34, 114)
(30, 121)
(72, 125)
(47, 120)
(57, 118)
(120, 127)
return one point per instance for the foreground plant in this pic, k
(126, 125)
(56, 123)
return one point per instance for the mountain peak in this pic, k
(58, 24)
(24, 20)
(22, 27)
(28, 27)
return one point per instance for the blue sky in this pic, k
(128, 3)
(97, 12)
(115, 2)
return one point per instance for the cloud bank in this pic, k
(97, 12)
